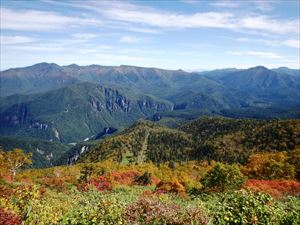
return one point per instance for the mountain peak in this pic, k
(259, 68)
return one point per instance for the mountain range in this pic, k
(73, 104)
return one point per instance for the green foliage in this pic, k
(242, 208)
(95, 210)
(223, 178)
(86, 173)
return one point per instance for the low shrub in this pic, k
(173, 186)
(243, 207)
(150, 211)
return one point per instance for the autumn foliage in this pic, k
(8, 218)
(275, 188)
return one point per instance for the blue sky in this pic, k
(187, 34)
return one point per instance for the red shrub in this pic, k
(276, 188)
(126, 178)
(102, 183)
(8, 218)
(6, 191)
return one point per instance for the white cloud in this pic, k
(129, 39)
(141, 15)
(142, 30)
(264, 5)
(34, 20)
(84, 36)
(11, 40)
(191, 2)
(270, 25)
(143, 19)
(171, 20)
(294, 43)
(265, 55)
(34, 48)
(261, 5)
(226, 4)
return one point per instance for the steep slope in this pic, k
(222, 139)
(75, 112)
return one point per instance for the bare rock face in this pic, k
(115, 101)
(96, 104)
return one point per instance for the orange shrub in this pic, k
(173, 186)
(125, 178)
(57, 183)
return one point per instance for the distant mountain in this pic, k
(265, 84)
(75, 112)
(43, 77)
(221, 139)
(34, 79)
(285, 70)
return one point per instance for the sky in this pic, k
(185, 34)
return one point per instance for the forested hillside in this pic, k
(212, 138)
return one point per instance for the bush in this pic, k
(173, 186)
(85, 173)
(95, 212)
(244, 208)
(101, 183)
(143, 179)
(289, 211)
(150, 211)
(275, 188)
(223, 177)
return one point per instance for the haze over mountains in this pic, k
(66, 104)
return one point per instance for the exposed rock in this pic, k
(38, 125)
(106, 131)
(56, 133)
